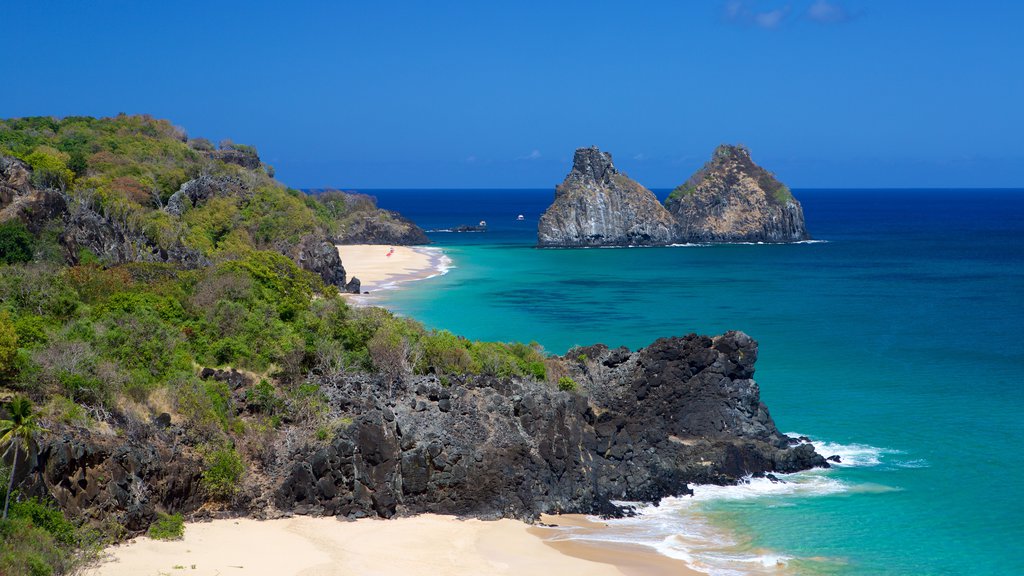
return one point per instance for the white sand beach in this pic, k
(418, 546)
(380, 267)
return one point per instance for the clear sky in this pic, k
(375, 94)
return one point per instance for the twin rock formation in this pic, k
(730, 199)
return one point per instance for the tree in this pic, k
(16, 243)
(17, 433)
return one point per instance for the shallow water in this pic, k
(895, 343)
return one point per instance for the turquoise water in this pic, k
(896, 340)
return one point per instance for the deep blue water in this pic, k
(897, 341)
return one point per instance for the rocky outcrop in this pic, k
(197, 191)
(19, 200)
(116, 241)
(731, 199)
(646, 424)
(106, 478)
(246, 158)
(597, 205)
(319, 256)
(642, 426)
(381, 227)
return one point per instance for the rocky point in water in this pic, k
(640, 426)
(597, 205)
(732, 199)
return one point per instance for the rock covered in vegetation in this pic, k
(246, 157)
(361, 221)
(732, 199)
(117, 242)
(198, 190)
(20, 200)
(597, 205)
(649, 422)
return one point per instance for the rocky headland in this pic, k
(640, 426)
(730, 199)
(596, 205)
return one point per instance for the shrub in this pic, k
(224, 469)
(16, 243)
(167, 527)
(8, 343)
(567, 384)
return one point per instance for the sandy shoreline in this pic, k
(421, 545)
(381, 267)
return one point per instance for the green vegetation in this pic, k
(17, 435)
(567, 384)
(224, 469)
(681, 192)
(16, 244)
(37, 540)
(97, 343)
(782, 195)
(127, 167)
(167, 527)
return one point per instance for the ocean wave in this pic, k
(684, 528)
(857, 455)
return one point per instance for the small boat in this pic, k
(520, 218)
(482, 224)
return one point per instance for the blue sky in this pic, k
(826, 93)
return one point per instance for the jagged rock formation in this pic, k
(117, 241)
(644, 425)
(316, 254)
(731, 199)
(108, 479)
(597, 205)
(19, 200)
(682, 410)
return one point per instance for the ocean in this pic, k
(894, 341)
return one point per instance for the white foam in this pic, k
(850, 455)
(678, 527)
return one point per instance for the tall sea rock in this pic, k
(597, 205)
(732, 199)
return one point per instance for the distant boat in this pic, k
(520, 218)
(482, 224)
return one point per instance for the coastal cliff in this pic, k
(597, 205)
(640, 426)
(732, 199)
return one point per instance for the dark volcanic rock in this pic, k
(597, 205)
(104, 478)
(353, 286)
(243, 158)
(116, 242)
(382, 227)
(319, 256)
(731, 199)
(682, 410)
